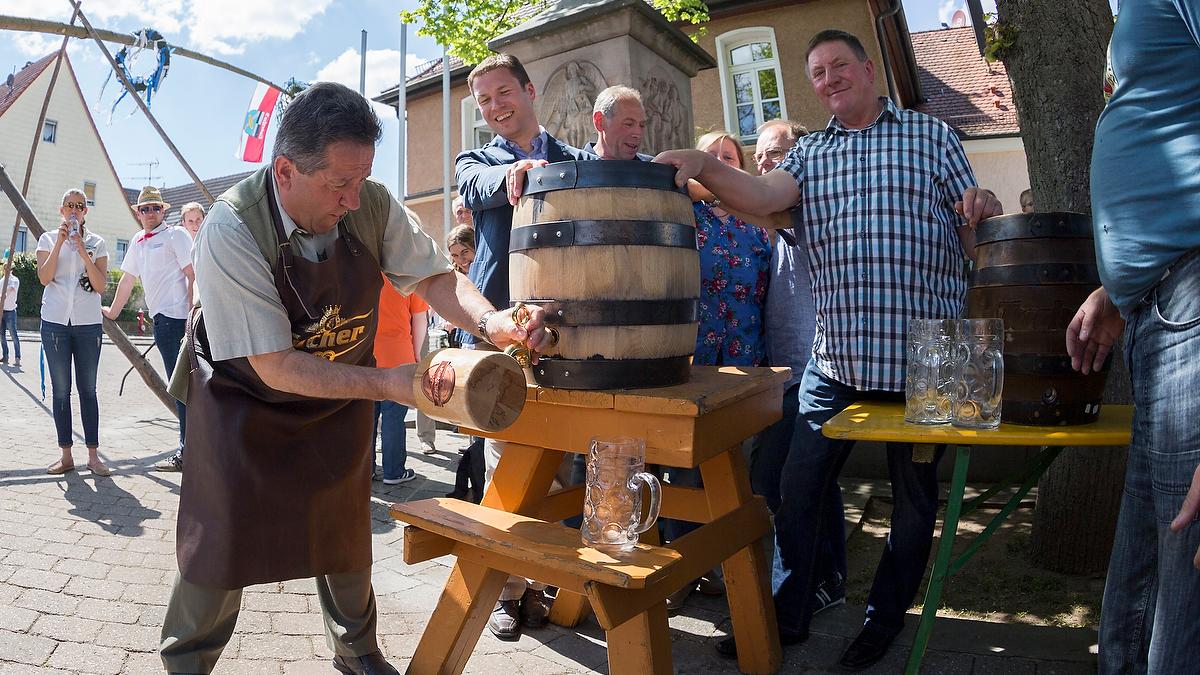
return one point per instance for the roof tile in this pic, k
(960, 87)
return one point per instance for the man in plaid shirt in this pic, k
(888, 201)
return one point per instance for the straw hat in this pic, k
(150, 195)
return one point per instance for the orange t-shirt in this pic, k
(393, 341)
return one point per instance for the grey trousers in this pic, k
(426, 427)
(200, 620)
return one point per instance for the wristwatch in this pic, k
(483, 320)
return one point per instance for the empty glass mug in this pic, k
(978, 374)
(612, 507)
(928, 372)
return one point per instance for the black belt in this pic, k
(606, 173)
(611, 374)
(1035, 274)
(1062, 225)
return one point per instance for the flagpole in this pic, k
(445, 143)
(402, 110)
(362, 66)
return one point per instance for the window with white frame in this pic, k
(49, 131)
(476, 133)
(122, 249)
(751, 80)
(89, 192)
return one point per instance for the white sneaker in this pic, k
(428, 449)
(405, 476)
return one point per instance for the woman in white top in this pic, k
(8, 324)
(73, 266)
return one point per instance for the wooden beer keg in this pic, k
(1034, 270)
(477, 389)
(608, 248)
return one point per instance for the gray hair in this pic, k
(321, 115)
(74, 191)
(795, 130)
(606, 101)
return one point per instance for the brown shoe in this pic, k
(535, 609)
(60, 467)
(505, 621)
(98, 469)
(711, 585)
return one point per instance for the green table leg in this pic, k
(941, 566)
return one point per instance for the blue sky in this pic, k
(202, 107)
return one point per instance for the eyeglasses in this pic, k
(75, 206)
(152, 208)
(774, 155)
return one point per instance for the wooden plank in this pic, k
(683, 503)
(574, 397)
(535, 543)
(729, 426)
(878, 421)
(562, 504)
(569, 609)
(701, 550)
(522, 478)
(747, 572)
(457, 620)
(710, 388)
(420, 545)
(641, 645)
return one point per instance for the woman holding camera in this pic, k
(73, 266)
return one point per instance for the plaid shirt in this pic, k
(878, 205)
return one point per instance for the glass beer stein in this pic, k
(978, 374)
(612, 507)
(928, 370)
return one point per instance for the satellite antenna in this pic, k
(959, 20)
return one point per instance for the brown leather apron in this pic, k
(277, 486)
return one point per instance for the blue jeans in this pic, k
(8, 324)
(395, 452)
(768, 455)
(808, 488)
(168, 335)
(82, 344)
(1148, 622)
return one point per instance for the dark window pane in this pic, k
(743, 88)
(746, 122)
(767, 85)
(771, 110)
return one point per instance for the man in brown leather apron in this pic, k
(281, 380)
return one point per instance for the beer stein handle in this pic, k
(655, 497)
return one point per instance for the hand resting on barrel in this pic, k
(514, 178)
(524, 325)
(756, 196)
(977, 204)
(1093, 332)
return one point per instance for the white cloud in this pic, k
(227, 26)
(383, 69)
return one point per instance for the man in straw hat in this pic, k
(281, 383)
(161, 256)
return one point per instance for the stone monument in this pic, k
(576, 48)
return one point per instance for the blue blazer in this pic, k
(480, 176)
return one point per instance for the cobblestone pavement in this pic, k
(86, 566)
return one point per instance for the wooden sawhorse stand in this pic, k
(515, 531)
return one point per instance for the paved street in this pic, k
(86, 566)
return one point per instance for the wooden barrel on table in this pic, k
(1034, 270)
(608, 248)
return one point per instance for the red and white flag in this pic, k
(254, 125)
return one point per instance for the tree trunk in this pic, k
(1056, 60)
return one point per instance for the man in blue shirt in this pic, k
(490, 180)
(884, 245)
(1146, 212)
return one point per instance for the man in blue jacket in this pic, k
(490, 181)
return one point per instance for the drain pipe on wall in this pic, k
(887, 65)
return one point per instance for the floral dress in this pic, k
(735, 264)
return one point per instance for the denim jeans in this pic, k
(390, 416)
(808, 487)
(63, 344)
(769, 452)
(1148, 622)
(8, 325)
(168, 335)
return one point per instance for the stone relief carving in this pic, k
(666, 116)
(567, 102)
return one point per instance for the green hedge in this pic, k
(29, 298)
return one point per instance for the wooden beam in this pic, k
(111, 329)
(23, 24)
(141, 104)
